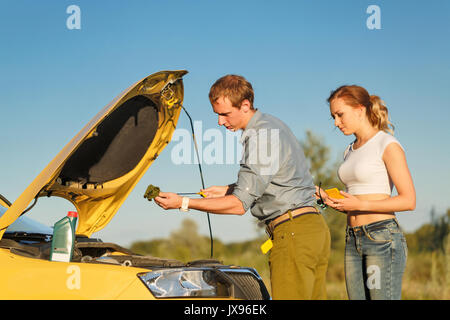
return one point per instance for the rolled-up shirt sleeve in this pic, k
(250, 185)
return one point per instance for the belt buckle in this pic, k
(289, 212)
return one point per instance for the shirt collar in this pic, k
(251, 124)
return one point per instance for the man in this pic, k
(277, 189)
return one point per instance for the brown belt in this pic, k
(288, 215)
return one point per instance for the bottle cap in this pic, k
(72, 214)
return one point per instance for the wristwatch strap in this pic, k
(185, 204)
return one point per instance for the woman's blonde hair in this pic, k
(376, 110)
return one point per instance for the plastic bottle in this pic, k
(63, 241)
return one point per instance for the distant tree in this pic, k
(431, 236)
(184, 244)
(317, 154)
(441, 231)
(152, 247)
(187, 244)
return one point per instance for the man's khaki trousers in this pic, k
(299, 258)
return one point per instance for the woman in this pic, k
(376, 251)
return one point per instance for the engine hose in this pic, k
(201, 176)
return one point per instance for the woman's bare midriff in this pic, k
(359, 218)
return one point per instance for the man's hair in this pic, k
(235, 88)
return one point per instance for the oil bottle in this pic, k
(63, 241)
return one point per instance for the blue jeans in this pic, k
(375, 259)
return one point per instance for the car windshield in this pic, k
(27, 225)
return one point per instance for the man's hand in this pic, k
(168, 200)
(215, 191)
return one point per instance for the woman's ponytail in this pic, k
(378, 115)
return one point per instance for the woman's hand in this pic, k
(321, 194)
(349, 203)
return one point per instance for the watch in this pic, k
(185, 204)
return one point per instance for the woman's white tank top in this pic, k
(363, 170)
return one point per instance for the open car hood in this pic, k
(101, 165)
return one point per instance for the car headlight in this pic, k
(168, 283)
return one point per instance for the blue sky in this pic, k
(53, 80)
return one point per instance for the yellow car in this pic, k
(96, 171)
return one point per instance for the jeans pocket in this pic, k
(279, 247)
(381, 235)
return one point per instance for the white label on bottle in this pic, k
(63, 257)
